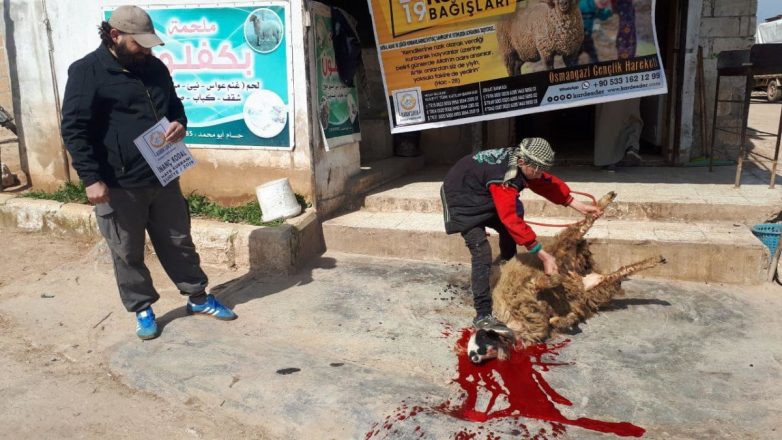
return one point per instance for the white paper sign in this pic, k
(168, 161)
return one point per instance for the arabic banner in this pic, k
(231, 67)
(337, 102)
(450, 62)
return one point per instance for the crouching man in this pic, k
(113, 95)
(482, 191)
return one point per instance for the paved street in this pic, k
(365, 348)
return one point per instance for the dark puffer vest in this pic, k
(467, 201)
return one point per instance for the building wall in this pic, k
(6, 98)
(333, 169)
(725, 25)
(34, 92)
(9, 147)
(226, 175)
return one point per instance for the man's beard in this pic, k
(131, 61)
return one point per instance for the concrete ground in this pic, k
(359, 348)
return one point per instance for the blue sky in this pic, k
(768, 8)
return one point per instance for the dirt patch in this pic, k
(55, 381)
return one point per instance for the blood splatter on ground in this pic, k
(448, 330)
(514, 389)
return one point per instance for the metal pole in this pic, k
(776, 155)
(743, 139)
(682, 43)
(702, 101)
(772, 269)
(714, 124)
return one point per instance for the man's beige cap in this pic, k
(135, 21)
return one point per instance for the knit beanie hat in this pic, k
(536, 152)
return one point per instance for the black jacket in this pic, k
(465, 194)
(105, 108)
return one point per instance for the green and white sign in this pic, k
(231, 68)
(337, 102)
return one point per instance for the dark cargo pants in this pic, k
(163, 213)
(480, 252)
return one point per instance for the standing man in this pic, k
(113, 95)
(482, 191)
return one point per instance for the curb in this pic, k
(267, 250)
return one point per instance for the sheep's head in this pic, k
(563, 5)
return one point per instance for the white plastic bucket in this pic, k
(277, 200)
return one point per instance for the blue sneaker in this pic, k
(146, 326)
(211, 307)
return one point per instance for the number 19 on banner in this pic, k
(417, 9)
(412, 15)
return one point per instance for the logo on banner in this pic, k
(408, 106)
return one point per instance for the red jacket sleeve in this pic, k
(505, 199)
(552, 188)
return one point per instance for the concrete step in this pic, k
(667, 204)
(380, 172)
(721, 252)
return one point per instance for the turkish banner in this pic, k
(450, 62)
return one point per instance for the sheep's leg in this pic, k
(570, 60)
(549, 60)
(628, 270)
(590, 219)
(513, 63)
(606, 199)
(543, 281)
(517, 67)
(564, 322)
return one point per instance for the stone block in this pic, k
(28, 214)
(6, 197)
(731, 43)
(215, 241)
(307, 240)
(73, 219)
(734, 8)
(748, 25)
(266, 250)
(721, 27)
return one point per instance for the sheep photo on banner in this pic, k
(450, 62)
(231, 68)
